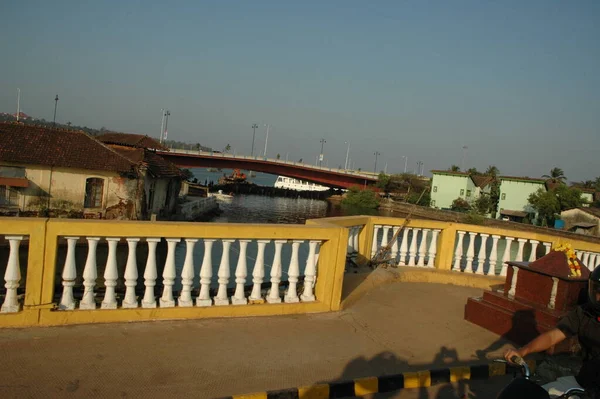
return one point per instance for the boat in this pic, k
(227, 198)
(289, 183)
(236, 177)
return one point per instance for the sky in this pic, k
(516, 82)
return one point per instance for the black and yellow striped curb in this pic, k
(388, 383)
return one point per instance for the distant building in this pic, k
(582, 220)
(446, 186)
(61, 172)
(514, 197)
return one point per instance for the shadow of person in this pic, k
(523, 329)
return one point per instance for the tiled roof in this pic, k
(482, 181)
(131, 140)
(157, 165)
(526, 179)
(39, 145)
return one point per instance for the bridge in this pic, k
(331, 177)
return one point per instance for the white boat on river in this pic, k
(290, 183)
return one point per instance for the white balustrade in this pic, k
(403, 247)
(522, 242)
(223, 274)
(131, 275)
(412, 252)
(310, 272)
(375, 238)
(187, 275)
(395, 243)
(350, 250)
(423, 247)
(548, 247)
(458, 251)
(586, 259)
(241, 272)
(482, 253)
(258, 273)
(110, 275)
(90, 274)
(291, 295)
(578, 254)
(357, 230)
(206, 275)
(506, 256)
(385, 236)
(150, 274)
(592, 261)
(67, 301)
(493, 255)
(273, 295)
(12, 276)
(470, 253)
(169, 274)
(533, 254)
(433, 248)
(597, 261)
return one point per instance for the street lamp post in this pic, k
(376, 153)
(405, 162)
(162, 124)
(254, 127)
(167, 123)
(55, 106)
(347, 153)
(266, 139)
(323, 141)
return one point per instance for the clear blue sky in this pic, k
(516, 81)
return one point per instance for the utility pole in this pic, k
(405, 162)
(347, 153)
(162, 124)
(167, 123)
(254, 127)
(18, 103)
(376, 153)
(266, 140)
(323, 141)
(55, 106)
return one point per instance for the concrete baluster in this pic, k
(110, 275)
(350, 249)
(482, 253)
(374, 245)
(412, 252)
(241, 272)
(586, 258)
(552, 303)
(548, 246)
(69, 274)
(187, 275)
(597, 261)
(458, 252)
(395, 243)
(578, 254)
(433, 248)
(385, 236)
(310, 272)
(291, 295)
(592, 261)
(131, 275)
(355, 237)
(470, 253)
(423, 248)
(506, 255)
(169, 275)
(533, 254)
(258, 273)
(150, 274)
(12, 276)
(90, 274)
(224, 273)
(493, 255)
(205, 274)
(273, 295)
(522, 242)
(403, 247)
(513, 283)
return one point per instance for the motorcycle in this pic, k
(524, 388)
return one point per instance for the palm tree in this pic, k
(473, 172)
(492, 171)
(557, 175)
(585, 184)
(454, 168)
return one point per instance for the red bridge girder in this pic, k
(324, 177)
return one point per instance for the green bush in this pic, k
(359, 198)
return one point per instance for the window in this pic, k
(93, 192)
(435, 189)
(462, 191)
(468, 193)
(8, 196)
(503, 196)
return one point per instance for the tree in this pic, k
(422, 200)
(589, 184)
(454, 168)
(546, 205)
(460, 205)
(492, 171)
(568, 197)
(278, 156)
(187, 174)
(383, 182)
(483, 204)
(557, 175)
(356, 197)
(473, 172)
